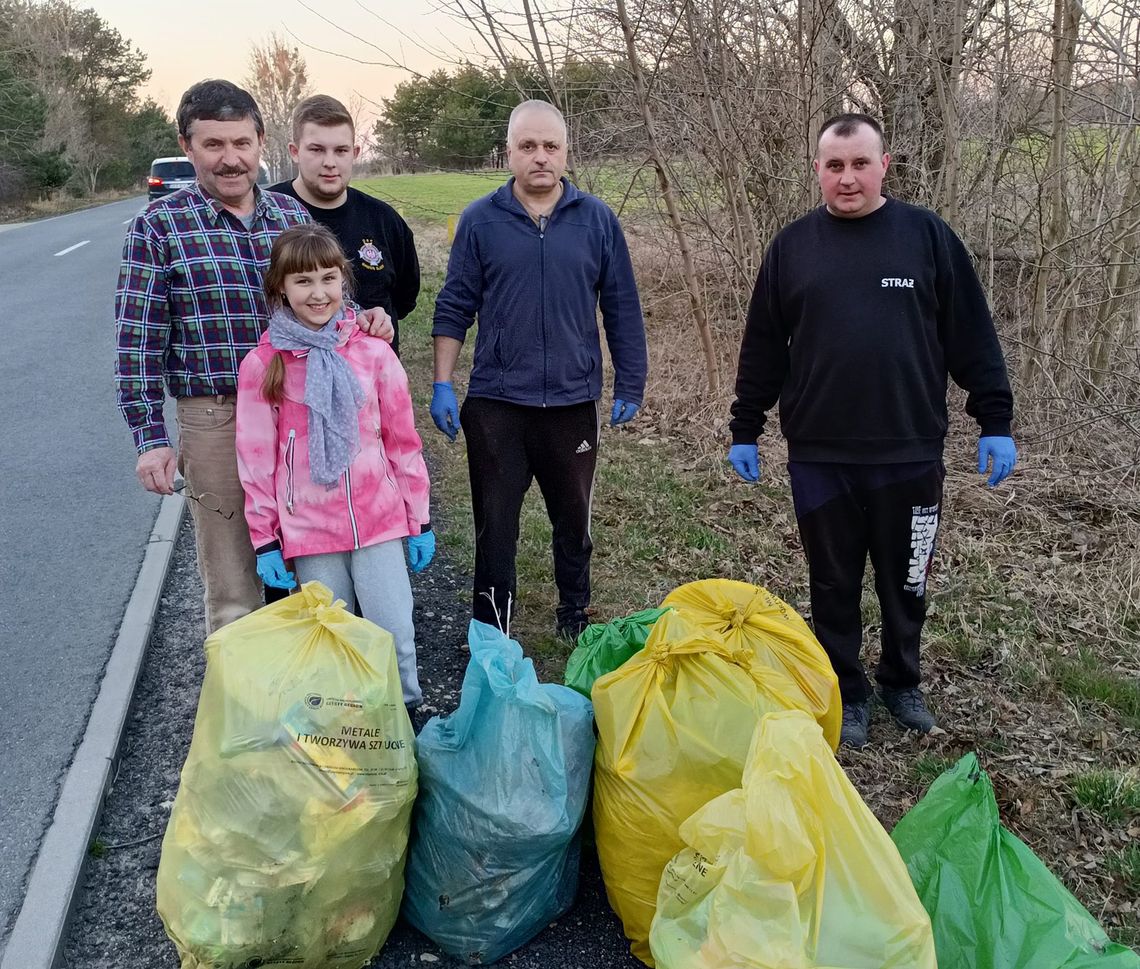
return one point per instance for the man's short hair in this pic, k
(321, 110)
(215, 100)
(544, 106)
(845, 125)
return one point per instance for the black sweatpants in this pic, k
(508, 445)
(844, 512)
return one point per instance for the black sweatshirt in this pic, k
(380, 246)
(853, 327)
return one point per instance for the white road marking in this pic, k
(64, 252)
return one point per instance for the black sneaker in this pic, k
(571, 627)
(908, 707)
(856, 722)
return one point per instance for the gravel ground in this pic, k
(115, 925)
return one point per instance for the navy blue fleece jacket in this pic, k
(536, 291)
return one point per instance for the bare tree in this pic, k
(1017, 120)
(278, 78)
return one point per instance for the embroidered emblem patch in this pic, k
(370, 255)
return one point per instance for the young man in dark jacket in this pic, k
(861, 310)
(533, 261)
(378, 243)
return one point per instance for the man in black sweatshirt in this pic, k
(378, 243)
(861, 311)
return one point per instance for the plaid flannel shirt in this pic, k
(189, 304)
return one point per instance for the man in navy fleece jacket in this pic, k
(533, 261)
(862, 310)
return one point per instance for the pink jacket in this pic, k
(382, 496)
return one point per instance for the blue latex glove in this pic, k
(271, 568)
(623, 412)
(745, 458)
(445, 408)
(999, 456)
(421, 550)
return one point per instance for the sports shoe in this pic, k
(908, 707)
(571, 627)
(856, 721)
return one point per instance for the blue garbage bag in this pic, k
(503, 790)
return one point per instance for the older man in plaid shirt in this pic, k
(189, 307)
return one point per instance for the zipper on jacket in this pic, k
(351, 513)
(289, 492)
(543, 222)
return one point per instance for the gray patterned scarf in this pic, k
(332, 394)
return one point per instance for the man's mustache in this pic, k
(231, 170)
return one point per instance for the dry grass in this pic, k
(1030, 652)
(60, 205)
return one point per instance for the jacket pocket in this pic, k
(204, 414)
(497, 356)
(591, 367)
(384, 462)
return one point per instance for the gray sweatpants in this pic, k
(378, 578)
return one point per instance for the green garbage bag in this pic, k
(992, 902)
(603, 647)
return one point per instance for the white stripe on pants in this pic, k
(378, 578)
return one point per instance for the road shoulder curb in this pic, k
(40, 929)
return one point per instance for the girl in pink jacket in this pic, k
(327, 447)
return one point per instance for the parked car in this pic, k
(168, 175)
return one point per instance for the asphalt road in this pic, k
(73, 521)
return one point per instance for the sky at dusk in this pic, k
(212, 38)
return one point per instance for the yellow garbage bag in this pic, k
(790, 872)
(287, 840)
(674, 723)
(749, 616)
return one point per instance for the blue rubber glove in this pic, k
(999, 456)
(745, 458)
(623, 412)
(445, 408)
(421, 550)
(271, 568)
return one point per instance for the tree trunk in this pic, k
(1125, 250)
(1054, 199)
(669, 194)
(951, 113)
(747, 255)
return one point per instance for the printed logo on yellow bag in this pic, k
(288, 837)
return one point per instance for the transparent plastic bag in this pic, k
(751, 617)
(603, 647)
(993, 903)
(288, 836)
(791, 871)
(674, 725)
(503, 790)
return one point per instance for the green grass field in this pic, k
(434, 196)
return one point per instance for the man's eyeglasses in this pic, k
(206, 499)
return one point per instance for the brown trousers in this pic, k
(207, 458)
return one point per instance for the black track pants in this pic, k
(846, 511)
(508, 445)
